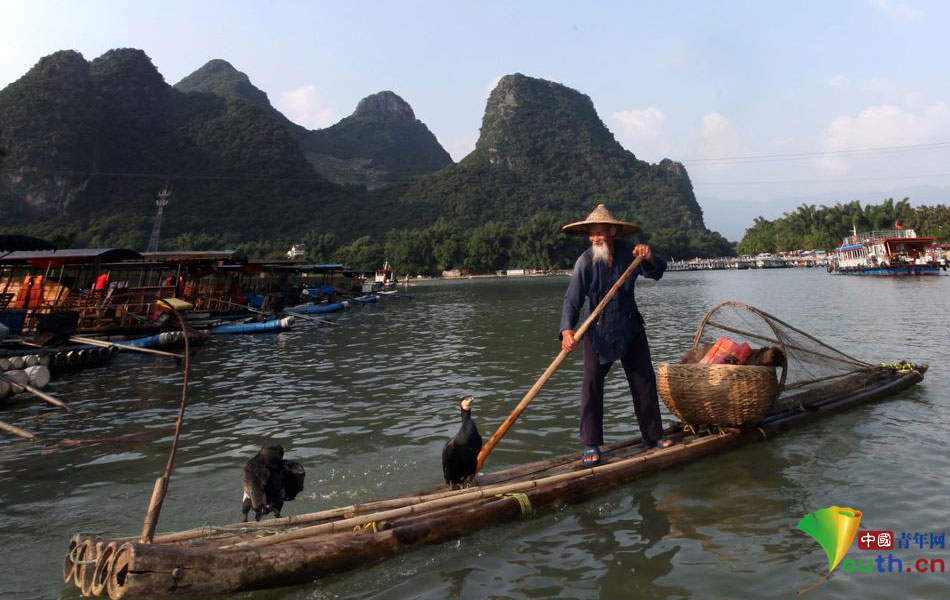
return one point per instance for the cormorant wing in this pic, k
(293, 479)
(254, 480)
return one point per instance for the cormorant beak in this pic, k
(466, 402)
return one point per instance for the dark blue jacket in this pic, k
(620, 320)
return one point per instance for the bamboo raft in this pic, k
(299, 549)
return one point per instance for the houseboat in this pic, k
(767, 260)
(888, 252)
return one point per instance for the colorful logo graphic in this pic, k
(834, 528)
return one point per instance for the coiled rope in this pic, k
(902, 367)
(523, 501)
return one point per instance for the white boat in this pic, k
(888, 252)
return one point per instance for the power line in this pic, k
(819, 181)
(698, 162)
(168, 176)
(810, 155)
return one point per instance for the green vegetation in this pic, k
(809, 228)
(534, 244)
(544, 150)
(90, 144)
(381, 142)
(218, 77)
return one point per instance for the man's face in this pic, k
(600, 235)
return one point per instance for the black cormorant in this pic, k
(269, 480)
(460, 455)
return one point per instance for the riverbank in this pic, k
(521, 274)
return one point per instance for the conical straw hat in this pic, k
(601, 216)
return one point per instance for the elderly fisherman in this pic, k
(617, 334)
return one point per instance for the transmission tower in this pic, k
(157, 227)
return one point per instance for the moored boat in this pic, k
(889, 252)
(316, 309)
(261, 327)
(366, 299)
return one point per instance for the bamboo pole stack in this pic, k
(298, 549)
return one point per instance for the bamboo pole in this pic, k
(86, 555)
(104, 344)
(38, 393)
(555, 364)
(161, 484)
(23, 433)
(69, 565)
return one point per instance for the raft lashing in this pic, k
(299, 549)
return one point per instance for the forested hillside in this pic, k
(89, 144)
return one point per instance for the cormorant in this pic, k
(269, 480)
(460, 455)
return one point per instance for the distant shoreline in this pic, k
(415, 280)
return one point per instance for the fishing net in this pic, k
(806, 362)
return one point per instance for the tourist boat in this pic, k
(298, 549)
(767, 260)
(890, 252)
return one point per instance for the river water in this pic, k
(367, 405)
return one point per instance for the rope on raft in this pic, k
(902, 367)
(77, 561)
(523, 501)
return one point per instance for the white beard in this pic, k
(601, 253)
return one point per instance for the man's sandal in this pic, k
(590, 457)
(664, 443)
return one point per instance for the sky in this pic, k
(770, 105)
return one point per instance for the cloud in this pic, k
(717, 138)
(880, 126)
(305, 106)
(643, 131)
(839, 81)
(641, 120)
(880, 85)
(898, 10)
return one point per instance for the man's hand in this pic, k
(644, 251)
(567, 340)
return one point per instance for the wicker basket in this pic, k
(723, 395)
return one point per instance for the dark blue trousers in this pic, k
(642, 380)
